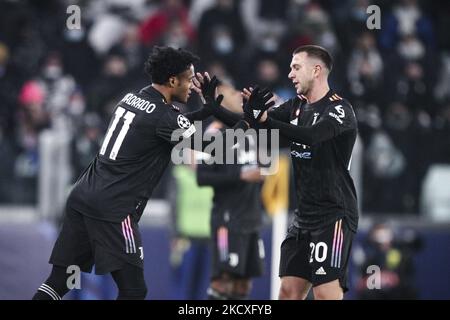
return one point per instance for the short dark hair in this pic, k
(317, 52)
(166, 62)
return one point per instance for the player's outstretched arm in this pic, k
(319, 132)
(328, 127)
(176, 128)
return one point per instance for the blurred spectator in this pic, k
(168, 22)
(222, 34)
(311, 24)
(197, 8)
(392, 181)
(86, 143)
(29, 48)
(133, 52)
(442, 88)
(266, 23)
(410, 48)
(32, 118)
(412, 88)
(369, 121)
(440, 9)
(406, 19)
(112, 82)
(268, 75)
(8, 92)
(410, 132)
(130, 9)
(441, 142)
(63, 101)
(351, 20)
(384, 165)
(107, 30)
(365, 69)
(393, 83)
(8, 151)
(79, 58)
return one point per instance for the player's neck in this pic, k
(318, 92)
(164, 91)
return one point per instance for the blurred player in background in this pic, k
(236, 218)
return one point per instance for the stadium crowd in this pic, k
(397, 77)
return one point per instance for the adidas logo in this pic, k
(321, 271)
(256, 113)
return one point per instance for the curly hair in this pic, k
(166, 62)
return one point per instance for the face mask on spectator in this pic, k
(74, 35)
(52, 72)
(411, 49)
(269, 44)
(223, 44)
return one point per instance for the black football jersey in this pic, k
(135, 152)
(322, 136)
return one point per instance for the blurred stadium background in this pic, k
(58, 87)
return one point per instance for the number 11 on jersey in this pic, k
(128, 118)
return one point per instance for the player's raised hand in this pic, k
(205, 86)
(198, 82)
(209, 88)
(198, 86)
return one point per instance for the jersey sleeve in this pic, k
(282, 112)
(335, 120)
(174, 127)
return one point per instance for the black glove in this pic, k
(257, 104)
(208, 88)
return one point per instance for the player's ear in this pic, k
(317, 70)
(172, 81)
